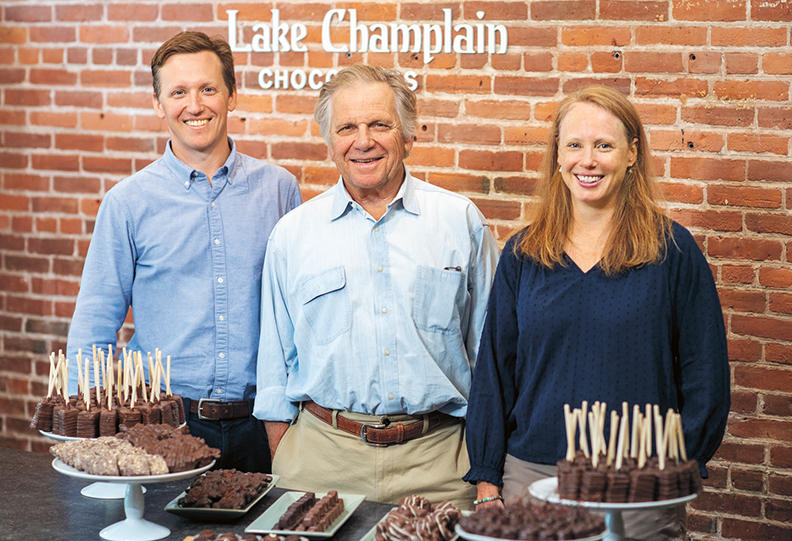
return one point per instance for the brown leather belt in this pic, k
(384, 433)
(211, 409)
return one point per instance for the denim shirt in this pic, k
(186, 255)
(374, 316)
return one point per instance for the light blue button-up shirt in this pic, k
(187, 256)
(374, 316)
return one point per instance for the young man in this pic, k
(182, 242)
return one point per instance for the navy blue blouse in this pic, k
(654, 334)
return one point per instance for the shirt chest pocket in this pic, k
(439, 296)
(325, 302)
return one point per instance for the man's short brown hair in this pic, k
(194, 42)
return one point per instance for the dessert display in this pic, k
(416, 519)
(525, 520)
(100, 410)
(622, 469)
(225, 489)
(140, 450)
(309, 514)
(208, 535)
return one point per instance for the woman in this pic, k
(601, 298)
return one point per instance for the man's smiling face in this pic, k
(195, 102)
(366, 139)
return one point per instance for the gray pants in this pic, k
(667, 523)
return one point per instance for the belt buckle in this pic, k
(364, 431)
(200, 406)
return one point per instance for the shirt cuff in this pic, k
(271, 405)
(481, 473)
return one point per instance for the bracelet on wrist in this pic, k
(489, 499)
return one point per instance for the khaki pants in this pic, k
(665, 524)
(314, 456)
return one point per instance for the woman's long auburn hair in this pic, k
(640, 229)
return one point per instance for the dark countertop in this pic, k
(41, 504)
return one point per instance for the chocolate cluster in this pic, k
(309, 514)
(579, 480)
(526, 520)
(225, 489)
(209, 535)
(416, 519)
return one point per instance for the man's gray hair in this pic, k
(361, 73)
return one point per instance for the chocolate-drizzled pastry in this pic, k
(416, 519)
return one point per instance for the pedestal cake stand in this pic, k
(547, 490)
(134, 527)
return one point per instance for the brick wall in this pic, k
(711, 79)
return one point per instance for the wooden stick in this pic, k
(569, 424)
(623, 430)
(96, 375)
(52, 375)
(681, 439)
(86, 385)
(642, 447)
(120, 379)
(168, 392)
(614, 429)
(601, 428)
(635, 429)
(142, 377)
(151, 374)
(64, 375)
(661, 455)
(80, 378)
(594, 438)
(582, 418)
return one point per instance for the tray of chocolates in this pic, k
(417, 519)
(221, 495)
(307, 514)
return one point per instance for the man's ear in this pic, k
(232, 100)
(157, 105)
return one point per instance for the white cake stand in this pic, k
(134, 527)
(547, 490)
(101, 490)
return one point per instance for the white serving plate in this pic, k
(475, 537)
(268, 521)
(547, 490)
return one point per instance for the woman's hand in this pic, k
(487, 490)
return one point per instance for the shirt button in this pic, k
(220, 280)
(219, 391)
(384, 310)
(221, 318)
(376, 229)
(187, 184)
(222, 355)
(387, 352)
(213, 203)
(390, 397)
(379, 269)
(217, 241)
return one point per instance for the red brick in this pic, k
(653, 62)
(519, 185)
(777, 405)
(26, 305)
(14, 283)
(749, 480)
(480, 134)
(637, 10)
(14, 202)
(743, 196)
(130, 144)
(743, 402)
(563, 10)
(770, 171)
(718, 476)
(758, 143)
(775, 277)
(518, 135)
(587, 36)
(774, 12)
(60, 120)
(692, 36)
(606, 62)
(67, 267)
(459, 84)
(52, 34)
(26, 263)
(781, 456)
(498, 210)
(752, 36)
(503, 62)
(72, 141)
(741, 63)
(718, 115)
(778, 353)
(106, 78)
(708, 168)
(712, 10)
(733, 504)
(701, 523)
(777, 63)
(79, 13)
(460, 183)
(524, 86)
(65, 205)
(29, 98)
(306, 151)
(764, 327)
(28, 13)
(749, 530)
(619, 84)
(485, 160)
(687, 141)
(101, 164)
(26, 140)
(709, 219)
(752, 90)
(12, 76)
(769, 223)
(743, 301)
(50, 246)
(528, 36)
(77, 184)
(572, 62)
(432, 156)
(136, 12)
(781, 484)
(498, 109)
(774, 117)
(499, 11)
(779, 510)
(56, 162)
(682, 193)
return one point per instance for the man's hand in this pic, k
(275, 432)
(487, 490)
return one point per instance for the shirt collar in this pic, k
(186, 174)
(342, 201)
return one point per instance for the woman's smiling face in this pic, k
(593, 155)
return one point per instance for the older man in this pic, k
(182, 242)
(373, 300)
